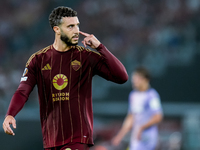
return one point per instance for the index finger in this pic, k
(83, 33)
(8, 130)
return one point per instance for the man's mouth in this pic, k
(75, 37)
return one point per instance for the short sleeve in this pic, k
(155, 102)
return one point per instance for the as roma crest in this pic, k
(76, 65)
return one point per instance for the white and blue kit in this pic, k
(143, 105)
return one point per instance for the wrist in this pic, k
(7, 115)
(143, 127)
(99, 47)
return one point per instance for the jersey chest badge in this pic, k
(76, 65)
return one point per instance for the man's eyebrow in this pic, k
(73, 24)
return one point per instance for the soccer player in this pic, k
(144, 114)
(63, 73)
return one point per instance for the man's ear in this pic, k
(56, 29)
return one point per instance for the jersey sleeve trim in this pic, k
(81, 48)
(37, 53)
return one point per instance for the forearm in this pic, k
(16, 104)
(19, 99)
(116, 68)
(126, 127)
(154, 120)
(123, 131)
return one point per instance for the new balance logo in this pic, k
(47, 67)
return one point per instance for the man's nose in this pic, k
(77, 29)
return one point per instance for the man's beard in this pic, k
(67, 40)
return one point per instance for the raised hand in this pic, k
(90, 40)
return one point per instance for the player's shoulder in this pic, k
(85, 50)
(153, 92)
(44, 50)
(132, 92)
(38, 53)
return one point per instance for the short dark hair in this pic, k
(143, 71)
(56, 15)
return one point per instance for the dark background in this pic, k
(162, 35)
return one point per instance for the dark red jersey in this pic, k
(64, 81)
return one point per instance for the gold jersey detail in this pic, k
(60, 96)
(37, 53)
(47, 67)
(60, 81)
(76, 65)
(81, 48)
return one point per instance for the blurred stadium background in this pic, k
(163, 35)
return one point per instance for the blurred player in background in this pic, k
(144, 114)
(63, 74)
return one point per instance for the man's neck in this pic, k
(61, 46)
(144, 87)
